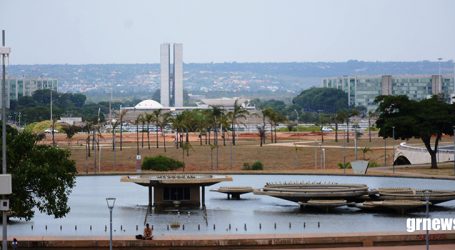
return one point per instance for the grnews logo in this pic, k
(432, 224)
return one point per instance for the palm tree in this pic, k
(339, 117)
(200, 123)
(186, 148)
(70, 131)
(122, 116)
(216, 114)
(239, 112)
(138, 120)
(224, 125)
(277, 118)
(274, 119)
(156, 115)
(148, 119)
(163, 121)
(143, 121)
(268, 114)
(323, 119)
(178, 124)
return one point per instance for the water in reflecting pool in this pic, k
(251, 214)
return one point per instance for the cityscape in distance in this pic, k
(212, 80)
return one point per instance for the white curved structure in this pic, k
(148, 104)
(420, 155)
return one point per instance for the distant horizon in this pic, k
(245, 62)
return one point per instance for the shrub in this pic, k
(344, 165)
(257, 165)
(246, 166)
(161, 163)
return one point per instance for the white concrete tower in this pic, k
(165, 52)
(178, 75)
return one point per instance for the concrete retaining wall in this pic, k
(239, 241)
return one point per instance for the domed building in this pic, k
(148, 105)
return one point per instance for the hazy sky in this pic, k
(110, 31)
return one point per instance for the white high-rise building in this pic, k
(171, 81)
(178, 75)
(165, 52)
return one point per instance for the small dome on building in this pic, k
(148, 104)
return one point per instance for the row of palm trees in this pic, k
(216, 121)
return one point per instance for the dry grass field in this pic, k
(294, 152)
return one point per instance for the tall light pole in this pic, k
(323, 158)
(110, 204)
(385, 152)
(5, 52)
(52, 118)
(114, 121)
(393, 153)
(453, 150)
(427, 215)
(355, 141)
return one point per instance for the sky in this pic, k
(115, 31)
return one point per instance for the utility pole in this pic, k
(52, 119)
(5, 52)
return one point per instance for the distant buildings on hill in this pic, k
(18, 87)
(362, 90)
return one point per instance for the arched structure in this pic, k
(419, 155)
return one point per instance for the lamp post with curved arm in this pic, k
(110, 204)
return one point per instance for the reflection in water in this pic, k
(252, 214)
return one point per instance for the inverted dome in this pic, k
(148, 104)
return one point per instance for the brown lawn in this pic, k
(294, 152)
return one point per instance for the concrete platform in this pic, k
(267, 241)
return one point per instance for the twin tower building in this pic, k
(171, 75)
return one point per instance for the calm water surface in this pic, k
(252, 214)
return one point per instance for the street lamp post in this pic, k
(453, 150)
(393, 153)
(4, 51)
(323, 158)
(114, 121)
(427, 215)
(355, 142)
(110, 204)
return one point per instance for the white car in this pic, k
(49, 130)
(326, 129)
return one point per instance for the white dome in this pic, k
(148, 104)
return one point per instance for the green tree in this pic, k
(239, 112)
(325, 100)
(42, 176)
(70, 131)
(416, 119)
